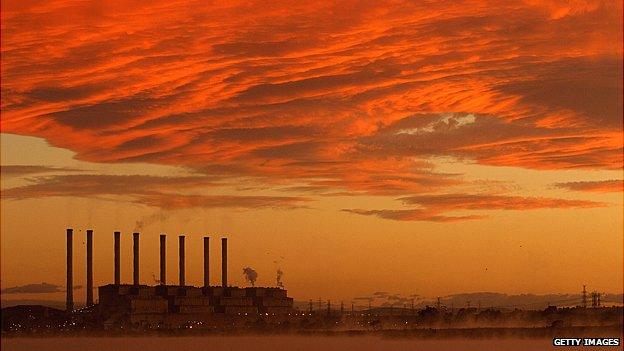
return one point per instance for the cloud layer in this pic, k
(162, 192)
(23, 170)
(43, 288)
(434, 207)
(350, 96)
(601, 186)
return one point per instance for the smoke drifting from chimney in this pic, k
(250, 275)
(278, 278)
(140, 224)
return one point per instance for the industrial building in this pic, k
(176, 306)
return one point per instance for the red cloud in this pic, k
(315, 93)
(600, 186)
(433, 208)
(413, 215)
(22, 170)
(161, 192)
(168, 201)
(451, 202)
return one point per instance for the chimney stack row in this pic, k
(135, 261)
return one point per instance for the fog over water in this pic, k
(261, 343)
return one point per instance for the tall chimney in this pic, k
(206, 261)
(135, 248)
(117, 259)
(163, 259)
(70, 272)
(89, 267)
(224, 262)
(181, 244)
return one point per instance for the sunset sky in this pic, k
(412, 147)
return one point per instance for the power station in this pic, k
(174, 306)
(170, 308)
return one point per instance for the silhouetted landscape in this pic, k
(165, 310)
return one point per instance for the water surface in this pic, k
(271, 343)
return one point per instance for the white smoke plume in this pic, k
(149, 220)
(280, 273)
(250, 275)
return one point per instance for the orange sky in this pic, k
(412, 147)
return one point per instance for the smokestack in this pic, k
(117, 259)
(89, 267)
(163, 259)
(181, 244)
(206, 261)
(70, 272)
(135, 248)
(224, 262)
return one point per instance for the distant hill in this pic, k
(48, 303)
(475, 299)
(485, 299)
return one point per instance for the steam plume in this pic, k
(148, 220)
(280, 273)
(250, 275)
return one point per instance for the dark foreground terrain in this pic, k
(284, 342)
(44, 328)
